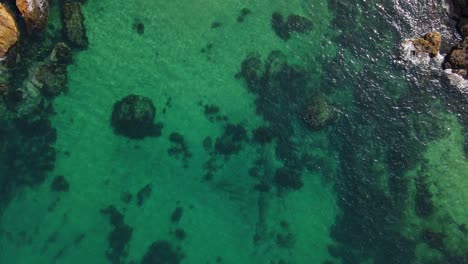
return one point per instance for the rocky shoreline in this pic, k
(33, 70)
(456, 59)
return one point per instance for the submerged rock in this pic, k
(133, 116)
(34, 12)
(230, 142)
(61, 54)
(429, 43)
(317, 113)
(8, 31)
(294, 23)
(162, 252)
(51, 78)
(73, 24)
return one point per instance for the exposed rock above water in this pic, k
(34, 12)
(8, 31)
(73, 24)
(429, 43)
(457, 59)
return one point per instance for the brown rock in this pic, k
(429, 43)
(8, 31)
(463, 27)
(34, 12)
(457, 59)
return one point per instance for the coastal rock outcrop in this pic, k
(133, 117)
(457, 59)
(8, 31)
(73, 24)
(429, 43)
(34, 12)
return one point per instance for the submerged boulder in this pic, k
(61, 54)
(429, 43)
(294, 23)
(162, 251)
(133, 117)
(51, 78)
(73, 24)
(8, 31)
(34, 12)
(318, 113)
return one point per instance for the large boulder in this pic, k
(457, 58)
(73, 24)
(8, 31)
(133, 117)
(429, 43)
(34, 12)
(318, 113)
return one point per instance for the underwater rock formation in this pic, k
(73, 24)
(133, 117)
(294, 23)
(230, 142)
(61, 54)
(318, 113)
(429, 43)
(162, 252)
(51, 78)
(119, 237)
(35, 13)
(8, 31)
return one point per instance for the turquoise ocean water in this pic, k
(384, 183)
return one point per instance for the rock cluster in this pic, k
(457, 58)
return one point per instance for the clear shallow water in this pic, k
(357, 204)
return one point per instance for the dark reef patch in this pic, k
(162, 252)
(244, 12)
(230, 142)
(177, 214)
(143, 194)
(293, 23)
(139, 27)
(179, 148)
(216, 24)
(133, 117)
(119, 237)
(60, 184)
